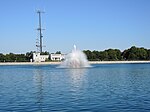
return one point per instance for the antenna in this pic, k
(39, 44)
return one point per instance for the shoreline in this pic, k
(56, 63)
(118, 62)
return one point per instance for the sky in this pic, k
(89, 24)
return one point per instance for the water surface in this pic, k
(103, 88)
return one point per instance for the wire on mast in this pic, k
(40, 44)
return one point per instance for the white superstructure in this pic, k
(57, 57)
(39, 58)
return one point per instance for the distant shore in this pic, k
(55, 63)
(117, 62)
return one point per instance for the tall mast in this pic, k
(40, 30)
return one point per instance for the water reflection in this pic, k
(77, 75)
(77, 78)
(38, 80)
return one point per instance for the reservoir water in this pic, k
(101, 88)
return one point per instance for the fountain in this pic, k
(75, 59)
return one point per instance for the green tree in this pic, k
(135, 53)
(10, 57)
(113, 55)
(148, 54)
(21, 58)
(58, 52)
(125, 54)
(2, 57)
(103, 56)
(45, 53)
(29, 55)
(96, 55)
(88, 54)
(142, 54)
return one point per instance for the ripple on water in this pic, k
(104, 87)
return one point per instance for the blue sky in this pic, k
(90, 24)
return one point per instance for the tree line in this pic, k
(133, 53)
(11, 57)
